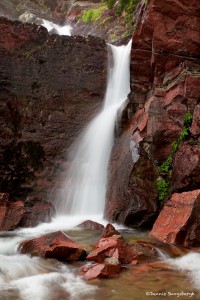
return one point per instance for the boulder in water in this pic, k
(55, 245)
(100, 270)
(91, 225)
(113, 245)
(179, 221)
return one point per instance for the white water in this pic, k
(61, 30)
(189, 263)
(84, 189)
(25, 278)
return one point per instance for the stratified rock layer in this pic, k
(165, 83)
(51, 86)
(179, 221)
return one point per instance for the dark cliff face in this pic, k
(50, 87)
(165, 83)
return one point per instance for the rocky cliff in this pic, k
(158, 152)
(50, 87)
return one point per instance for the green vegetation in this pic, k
(92, 15)
(166, 167)
(163, 188)
(127, 6)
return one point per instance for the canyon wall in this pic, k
(50, 87)
(165, 88)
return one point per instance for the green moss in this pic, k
(163, 188)
(92, 15)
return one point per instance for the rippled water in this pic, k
(24, 278)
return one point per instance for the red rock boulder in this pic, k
(55, 245)
(100, 270)
(90, 225)
(112, 245)
(179, 221)
(10, 212)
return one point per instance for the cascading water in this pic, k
(61, 30)
(84, 189)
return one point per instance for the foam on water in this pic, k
(191, 264)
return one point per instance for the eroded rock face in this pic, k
(179, 221)
(51, 86)
(54, 245)
(23, 214)
(36, 211)
(165, 83)
(10, 212)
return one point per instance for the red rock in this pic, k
(54, 245)
(91, 225)
(134, 262)
(112, 246)
(186, 168)
(110, 231)
(165, 85)
(36, 111)
(179, 221)
(37, 211)
(10, 212)
(102, 271)
(195, 128)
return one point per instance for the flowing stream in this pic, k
(83, 194)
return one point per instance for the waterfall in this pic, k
(84, 189)
(61, 30)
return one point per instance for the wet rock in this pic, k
(165, 46)
(91, 225)
(112, 245)
(101, 270)
(179, 221)
(10, 212)
(55, 245)
(36, 211)
(63, 85)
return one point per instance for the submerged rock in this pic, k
(54, 245)
(179, 221)
(91, 225)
